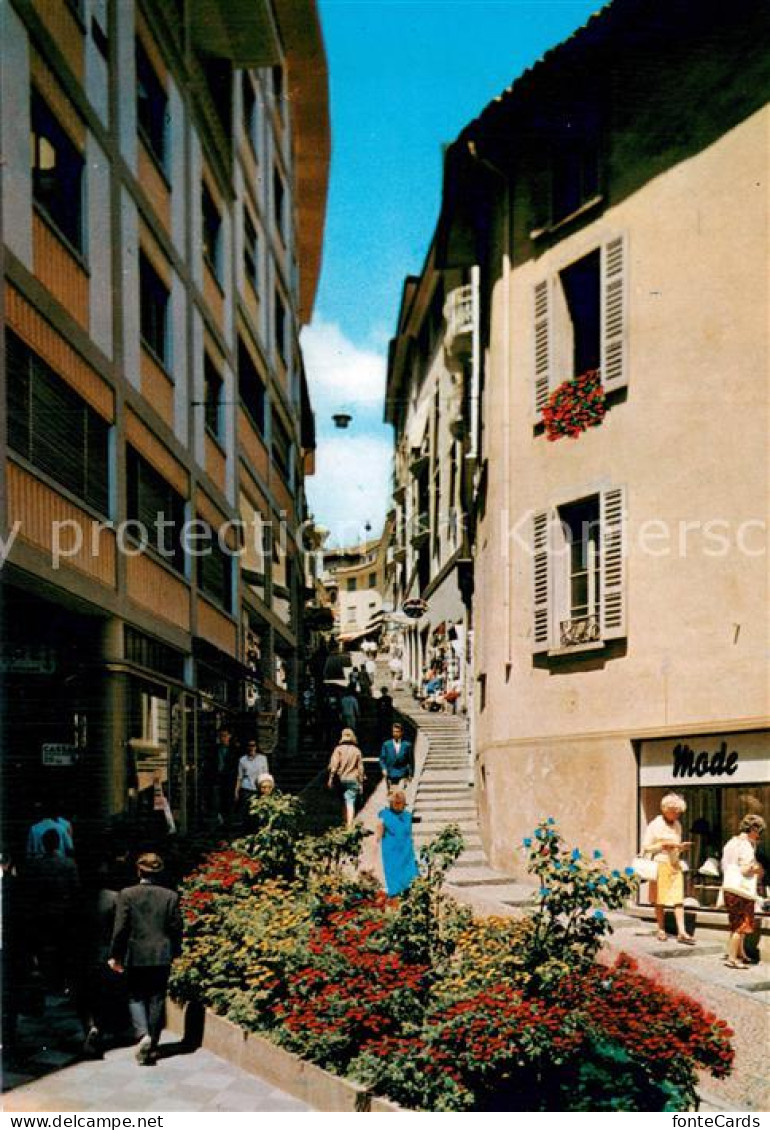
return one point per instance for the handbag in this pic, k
(645, 868)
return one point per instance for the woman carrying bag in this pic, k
(663, 842)
(740, 872)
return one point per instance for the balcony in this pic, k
(418, 462)
(420, 529)
(580, 631)
(461, 325)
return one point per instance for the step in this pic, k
(471, 858)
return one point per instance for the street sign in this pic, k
(414, 608)
(59, 753)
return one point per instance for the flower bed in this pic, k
(429, 1007)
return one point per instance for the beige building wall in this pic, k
(689, 444)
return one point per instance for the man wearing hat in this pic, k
(146, 938)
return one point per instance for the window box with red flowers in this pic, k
(576, 405)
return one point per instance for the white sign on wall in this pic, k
(706, 759)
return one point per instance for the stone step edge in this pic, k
(319, 1089)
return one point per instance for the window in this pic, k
(372, 580)
(54, 428)
(578, 572)
(153, 309)
(99, 28)
(151, 106)
(581, 286)
(281, 448)
(215, 574)
(212, 396)
(251, 388)
(250, 250)
(57, 173)
(154, 503)
(279, 204)
(212, 231)
(281, 325)
(277, 72)
(351, 584)
(249, 98)
(574, 160)
(580, 322)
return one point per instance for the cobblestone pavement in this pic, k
(48, 1073)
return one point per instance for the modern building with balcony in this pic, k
(163, 192)
(615, 208)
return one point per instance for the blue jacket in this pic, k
(397, 765)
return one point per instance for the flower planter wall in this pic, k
(258, 1056)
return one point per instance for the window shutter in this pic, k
(542, 344)
(614, 360)
(613, 563)
(541, 582)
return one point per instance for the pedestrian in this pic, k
(222, 774)
(251, 767)
(396, 668)
(147, 937)
(350, 711)
(740, 875)
(266, 784)
(663, 841)
(397, 759)
(51, 890)
(384, 715)
(47, 819)
(394, 832)
(347, 767)
(364, 681)
(101, 1000)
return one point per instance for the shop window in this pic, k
(151, 106)
(579, 592)
(212, 397)
(281, 448)
(251, 389)
(215, 571)
(580, 322)
(147, 652)
(57, 173)
(212, 232)
(250, 250)
(153, 310)
(154, 503)
(54, 428)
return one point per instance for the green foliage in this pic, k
(570, 919)
(274, 829)
(335, 850)
(429, 922)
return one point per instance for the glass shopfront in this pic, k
(722, 777)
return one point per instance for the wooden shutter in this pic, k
(613, 563)
(541, 604)
(542, 344)
(614, 359)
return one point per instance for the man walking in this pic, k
(397, 759)
(146, 938)
(251, 767)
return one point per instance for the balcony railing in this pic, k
(460, 318)
(420, 529)
(581, 630)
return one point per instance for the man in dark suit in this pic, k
(397, 759)
(146, 938)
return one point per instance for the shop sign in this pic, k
(414, 608)
(59, 753)
(706, 759)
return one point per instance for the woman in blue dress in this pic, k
(395, 834)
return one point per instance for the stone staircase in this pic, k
(444, 793)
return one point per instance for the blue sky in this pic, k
(405, 78)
